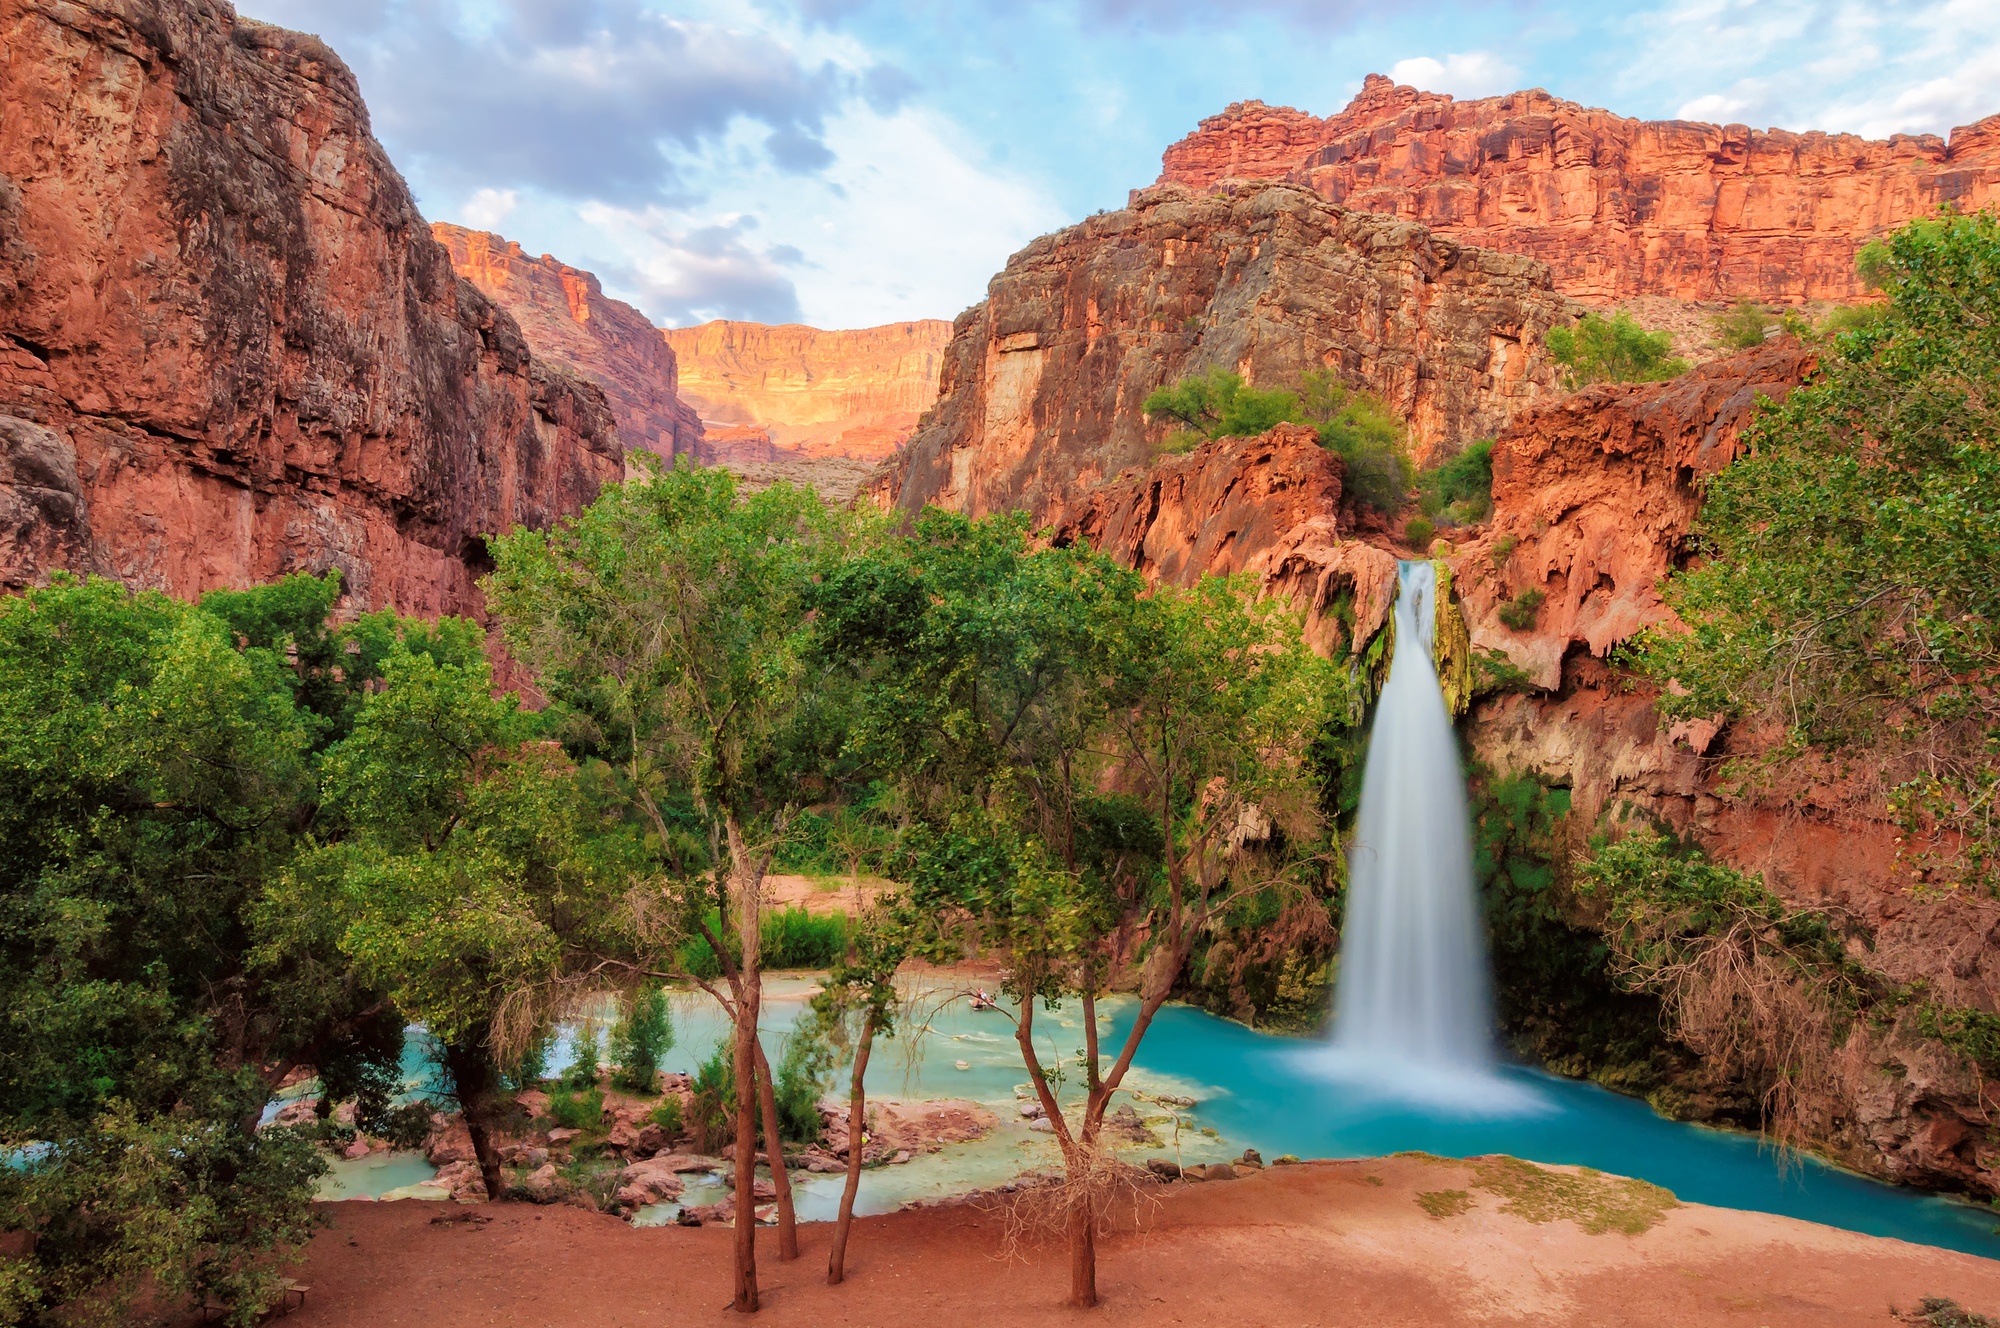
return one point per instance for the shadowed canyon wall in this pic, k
(567, 320)
(1043, 382)
(1616, 207)
(229, 346)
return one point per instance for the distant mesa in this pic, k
(1616, 207)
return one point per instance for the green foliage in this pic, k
(1419, 531)
(1973, 1034)
(668, 1115)
(1354, 424)
(1503, 549)
(1938, 1312)
(713, 1113)
(584, 1067)
(1743, 326)
(804, 1069)
(579, 1110)
(1660, 897)
(788, 938)
(1846, 589)
(640, 1039)
(1613, 350)
(1459, 491)
(1521, 611)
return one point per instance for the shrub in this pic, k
(1743, 326)
(795, 938)
(668, 1115)
(1521, 611)
(583, 1068)
(1218, 405)
(640, 1039)
(1460, 491)
(1503, 549)
(1418, 530)
(578, 1111)
(533, 1067)
(714, 1099)
(1613, 350)
(803, 1069)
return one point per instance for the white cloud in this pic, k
(1463, 74)
(1716, 107)
(487, 208)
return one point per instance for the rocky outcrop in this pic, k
(229, 346)
(1043, 382)
(1266, 507)
(564, 315)
(1616, 207)
(769, 393)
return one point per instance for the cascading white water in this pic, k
(1413, 991)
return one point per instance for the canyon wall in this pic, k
(564, 315)
(1042, 383)
(814, 393)
(1617, 207)
(229, 346)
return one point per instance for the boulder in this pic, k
(449, 1141)
(651, 1140)
(650, 1182)
(533, 1101)
(544, 1185)
(562, 1135)
(1164, 1169)
(623, 1135)
(462, 1180)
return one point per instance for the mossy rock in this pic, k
(1594, 1201)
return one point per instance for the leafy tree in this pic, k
(155, 770)
(1459, 491)
(668, 624)
(1613, 350)
(1846, 589)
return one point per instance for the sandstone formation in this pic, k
(1043, 382)
(564, 315)
(772, 392)
(229, 346)
(1616, 207)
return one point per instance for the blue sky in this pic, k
(852, 162)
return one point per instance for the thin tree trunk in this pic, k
(1083, 1252)
(774, 1150)
(747, 1005)
(857, 1121)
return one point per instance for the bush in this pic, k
(1613, 350)
(791, 938)
(1503, 549)
(714, 1099)
(1521, 611)
(533, 1067)
(1418, 531)
(1743, 326)
(1460, 491)
(640, 1039)
(578, 1111)
(1357, 426)
(803, 1070)
(584, 1067)
(668, 1115)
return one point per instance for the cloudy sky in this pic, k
(852, 162)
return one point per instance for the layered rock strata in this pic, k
(1616, 207)
(229, 346)
(1043, 382)
(769, 392)
(566, 318)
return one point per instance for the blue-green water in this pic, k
(1258, 1091)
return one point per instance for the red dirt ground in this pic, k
(1318, 1244)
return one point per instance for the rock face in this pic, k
(1594, 497)
(1616, 207)
(767, 391)
(1043, 382)
(564, 315)
(229, 346)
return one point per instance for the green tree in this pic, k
(1846, 589)
(668, 624)
(1613, 350)
(156, 763)
(1459, 491)
(641, 1039)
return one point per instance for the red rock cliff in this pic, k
(567, 320)
(1043, 382)
(856, 393)
(1616, 207)
(229, 346)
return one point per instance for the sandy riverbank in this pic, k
(1332, 1243)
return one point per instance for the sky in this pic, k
(848, 163)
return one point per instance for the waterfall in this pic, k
(1413, 1012)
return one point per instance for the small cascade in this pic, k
(1413, 1010)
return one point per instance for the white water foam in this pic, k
(1413, 1012)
